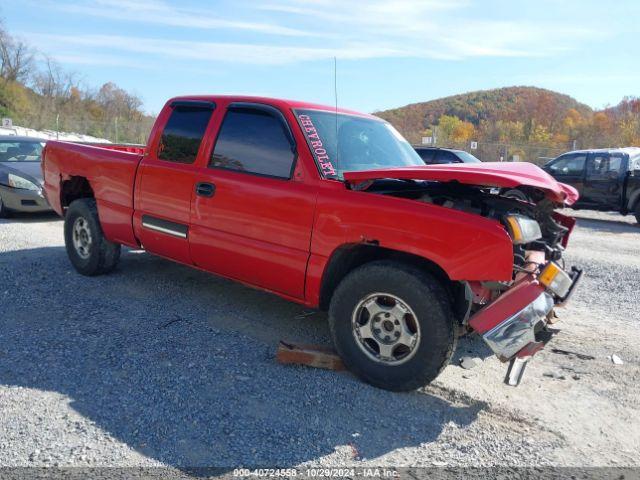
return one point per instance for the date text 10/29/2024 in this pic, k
(317, 472)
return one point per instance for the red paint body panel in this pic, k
(565, 221)
(137, 149)
(111, 174)
(507, 304)
(279, 235)
(465, 246)
(490, 174)
(255, 229)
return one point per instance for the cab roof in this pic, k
(631, 151)
(277, 102)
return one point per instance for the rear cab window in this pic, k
(255, 140)
(183, 132)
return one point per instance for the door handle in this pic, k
(205, 189)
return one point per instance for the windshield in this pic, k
(361, 144)
(17, 151)
(466, 157)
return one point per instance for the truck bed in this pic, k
(110, 171)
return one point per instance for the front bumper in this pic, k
(513, 325)
(19, 200)
(510, 336)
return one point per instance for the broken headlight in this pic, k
(522, 229)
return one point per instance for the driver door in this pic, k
(253, 222)
(603, 180)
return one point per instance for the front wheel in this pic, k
(392, 325)
(89, 251)
(517, 195)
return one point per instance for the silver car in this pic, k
(21, 175)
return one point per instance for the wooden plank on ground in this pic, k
(316, 356)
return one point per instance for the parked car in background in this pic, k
(607, 179)
(436, 155)
(21, 175)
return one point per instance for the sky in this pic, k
(388, 53)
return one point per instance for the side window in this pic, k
(615, 164)
(604, 166)
(254, 141)
(569, 165)
(426, 155)
(183, 133)
(596, 167)
(444, 156)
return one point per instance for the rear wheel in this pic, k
(392, 325)
(89, 251)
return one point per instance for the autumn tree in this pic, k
(16, 58)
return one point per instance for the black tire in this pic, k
(423, 294)
(517, 195)
(4, 213)
(100, 255)
(637, 212)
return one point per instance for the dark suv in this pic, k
(435, 155)
(607, 179)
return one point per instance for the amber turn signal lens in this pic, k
(555, 279)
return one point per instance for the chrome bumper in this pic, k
(516, 332)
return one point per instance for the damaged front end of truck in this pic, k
(513, 316)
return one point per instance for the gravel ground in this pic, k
(159, 364)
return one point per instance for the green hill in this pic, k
(510, 104)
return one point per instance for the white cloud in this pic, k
(162, 13)
(421, 27)
(97, 59)
(205, 51)
(304, 30)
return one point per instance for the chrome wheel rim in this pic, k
(82, 237)
(386, 329)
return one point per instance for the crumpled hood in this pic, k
(489, 174)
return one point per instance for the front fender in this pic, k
(465, 246)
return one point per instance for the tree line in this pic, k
(527, 123)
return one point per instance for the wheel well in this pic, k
(73, 189)
(349, 257)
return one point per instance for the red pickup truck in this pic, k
(334, 210)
